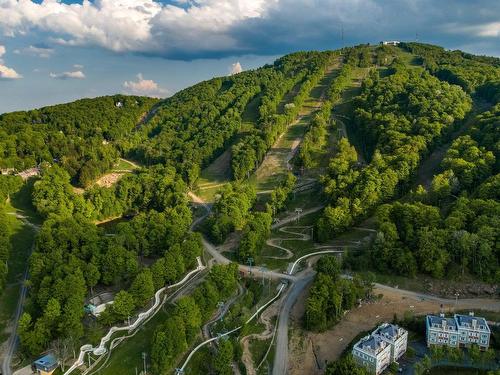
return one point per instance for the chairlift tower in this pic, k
(298, 211)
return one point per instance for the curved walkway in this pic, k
(275, 242)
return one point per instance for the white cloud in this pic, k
(78, 74)
(78, 66)
(488, 30)
(205, 28)
(8, 73)
(144, 87)
(235, 68)
(39, 51)
(5, 71)
(133, 25)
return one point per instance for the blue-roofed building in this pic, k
(45, 365)
(473, 330)
(396, 336)
(382, 347)
(441, 331)
(459, 331)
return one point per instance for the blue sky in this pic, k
(57, 51)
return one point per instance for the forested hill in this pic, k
(402, 107)
(85, 137)
(191, 128)
(186, 131)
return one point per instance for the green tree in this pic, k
(123, 305)
(224, 357)
(142, 288)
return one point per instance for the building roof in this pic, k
(47, 362)
(371, 343)
(466, 321)
(437, 322)
(389, 331)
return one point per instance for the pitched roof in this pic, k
(466, 321)
(372, 343)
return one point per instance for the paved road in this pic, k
(255, 271)
(221, 259)
(281, 357)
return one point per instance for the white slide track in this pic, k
(101, 349)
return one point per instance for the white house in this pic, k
(390, 42)
(396, 336)
(473, 330)
(383, 346)
(441, 331)
(459, 331)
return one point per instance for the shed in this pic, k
(46, 365)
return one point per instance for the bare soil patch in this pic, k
(309, 350)
(109, 179)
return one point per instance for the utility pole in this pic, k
(250, 262)
(342, 34)
(263, 270)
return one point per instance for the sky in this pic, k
(54, 51)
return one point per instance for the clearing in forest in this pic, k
(107, 180)
(277, 161)
(218, 172)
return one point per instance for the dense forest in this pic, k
(452, 229)
(401, 117)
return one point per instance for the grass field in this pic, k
(274, 166)
(128, 356)
(125, 165)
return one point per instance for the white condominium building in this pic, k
(459, 331)
(396, 336)
(473, 330)
(382, 347)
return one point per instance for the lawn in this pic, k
(124, 165)
(21, 202)
(128, 355)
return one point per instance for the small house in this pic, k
(45, 365)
